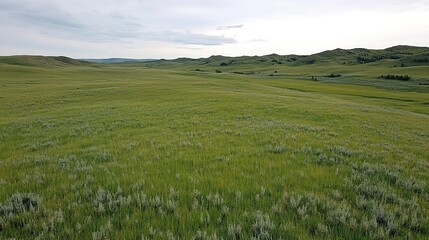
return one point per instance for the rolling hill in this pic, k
(391, 57)
(394, 56)
(117, 60)
(29, 60)
(260, 150)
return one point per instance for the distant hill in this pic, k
(118, 60)
(30, 60)
(401, 55)
(397, 55)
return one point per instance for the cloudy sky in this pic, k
(200, 28)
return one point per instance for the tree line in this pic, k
(395, 77)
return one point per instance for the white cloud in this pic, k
(168, 28)
(188, 38)
(220, 28)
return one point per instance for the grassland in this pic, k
(174, 150)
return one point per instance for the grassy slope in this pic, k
(277, 155)
(30, 60)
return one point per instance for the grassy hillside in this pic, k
(29, 60)
(399, 60)
(118, 60)
(162, 150)
(395, 56)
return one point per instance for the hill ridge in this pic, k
(39, 60)
(409, 55)
(399, 54)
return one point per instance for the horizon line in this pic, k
(157, 59)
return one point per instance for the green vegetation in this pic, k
(333, 75)
(187, 149)
(396, 77)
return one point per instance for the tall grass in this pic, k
(132, 152)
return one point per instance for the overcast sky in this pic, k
(200, 28)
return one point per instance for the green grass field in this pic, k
(161, 151)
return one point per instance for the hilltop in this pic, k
(31, 60)
(393, 56)
(116, 60)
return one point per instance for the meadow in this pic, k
(178, 150)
